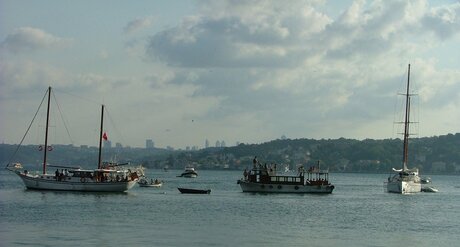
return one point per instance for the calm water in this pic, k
(358, 213)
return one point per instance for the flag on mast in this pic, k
(104, 136)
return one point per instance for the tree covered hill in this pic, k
(439, 154)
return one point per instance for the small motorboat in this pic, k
(144, 182)
(429, 189)
(425, 180)
(189, 172)
(193, 191)
(15, 165)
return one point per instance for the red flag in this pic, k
(104, 136)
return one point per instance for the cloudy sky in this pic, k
(180, 72)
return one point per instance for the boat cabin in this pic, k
(311, 177)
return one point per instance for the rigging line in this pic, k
(27, 131)
(114, 126)
(80, 97)
(62, 117)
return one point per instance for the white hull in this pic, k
(48, 182)
(403, 187)
(283, 188)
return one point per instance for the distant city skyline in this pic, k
(181, 72)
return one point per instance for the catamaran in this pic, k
(405, 180)
(106, 178)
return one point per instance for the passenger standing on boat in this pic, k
(301, 170)
(56, 174)
(245, 174)
(254, 162)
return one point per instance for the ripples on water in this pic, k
(357, 213)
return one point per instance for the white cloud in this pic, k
(269, 56)
(26, 39)
(138, 24)
(251, 71)
(261, 35)
(444, 21)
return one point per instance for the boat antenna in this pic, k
(99, 165)
(406, 124)
(46, 130)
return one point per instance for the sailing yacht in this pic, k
(405, 180)
(106, 178)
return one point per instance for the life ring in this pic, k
(296, 187)
(40, 148)
(280, 187)
(83, 180)
(50, 148)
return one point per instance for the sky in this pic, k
(180, 72)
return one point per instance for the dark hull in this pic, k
(193, 191)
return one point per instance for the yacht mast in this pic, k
(406, 124)
(99, 165)
(46, 130)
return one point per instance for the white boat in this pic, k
(405, 180)
(189, 172)
(14, 165)
(425, 180)
(103, 179)
(144, 182)
(265, 180)
(429, 189)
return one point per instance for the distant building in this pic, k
(206, 144)
(222, 144)
(170, 148)
(107, 144)
(217, 144)
(149, 144)
(118, 145)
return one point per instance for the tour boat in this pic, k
(265, 180)
(189, 172)
(106, 178)
(405, 180)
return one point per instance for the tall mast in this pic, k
(99, 165)
(46, 130)
(406, 124)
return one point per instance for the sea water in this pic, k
(357, 213)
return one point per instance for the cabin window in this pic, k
(273, 179)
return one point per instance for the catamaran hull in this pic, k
(47, 182)
(403, 187)
(284, 188)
